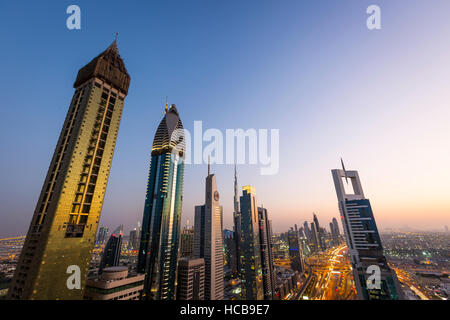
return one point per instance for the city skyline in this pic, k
(399, 158)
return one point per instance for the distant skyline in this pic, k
(378, 99)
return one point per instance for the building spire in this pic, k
(167, 105)
(209, 166)
(236, 192)
(114, 44)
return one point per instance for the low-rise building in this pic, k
(115, 283)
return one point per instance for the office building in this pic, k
(319, 233)
(208, 242)
(229, 244)
(102, 236)
(111, 254)
(133, 240)
(295, 250)
(266, 248)
(249, 248)
(307, 231)
(187, 242)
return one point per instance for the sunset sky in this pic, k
(379, 99)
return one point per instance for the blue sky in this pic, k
(309, 68)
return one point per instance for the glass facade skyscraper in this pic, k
(113, 248)
(363, 242)
(249, 247)
(158, 252)
(295, 250)
(266, 248)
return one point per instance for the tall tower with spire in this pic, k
(158, 252)
(374, 278)
(208, 239)
(236, 219)
(61, 235)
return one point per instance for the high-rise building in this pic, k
(319, 234)
(363, 241)
(115, 283)
(295, 250)
(229, 243)
(307, 231)
(315, 238)
(333, 233)
(249, 247)
(158, 251)
(63, 228)
(133, 242)
(111, 254)
(336, 227)
(266, 247)
(208, 242)
(187, 242)
(236, 219)
(102, 235)
(191, 279)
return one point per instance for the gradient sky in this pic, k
(380, 99)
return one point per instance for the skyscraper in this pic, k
(363, 241)
(208, 241)
(65, 221)
(229, 243)
(236, 219)
(102, 234)
(191, 279)
(249, 247)
(333, 233)
(319, 234)
(336, 226)
(187, 242)
(111, 254)
(158, 252)
(295, 250)
(266, 247)
(307, 231)
(133, 242)
(314, 237)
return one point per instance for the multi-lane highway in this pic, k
(331, 277)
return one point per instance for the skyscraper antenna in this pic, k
(117, 34)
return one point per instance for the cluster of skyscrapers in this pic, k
(172, 263)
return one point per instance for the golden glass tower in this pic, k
(55, 258)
